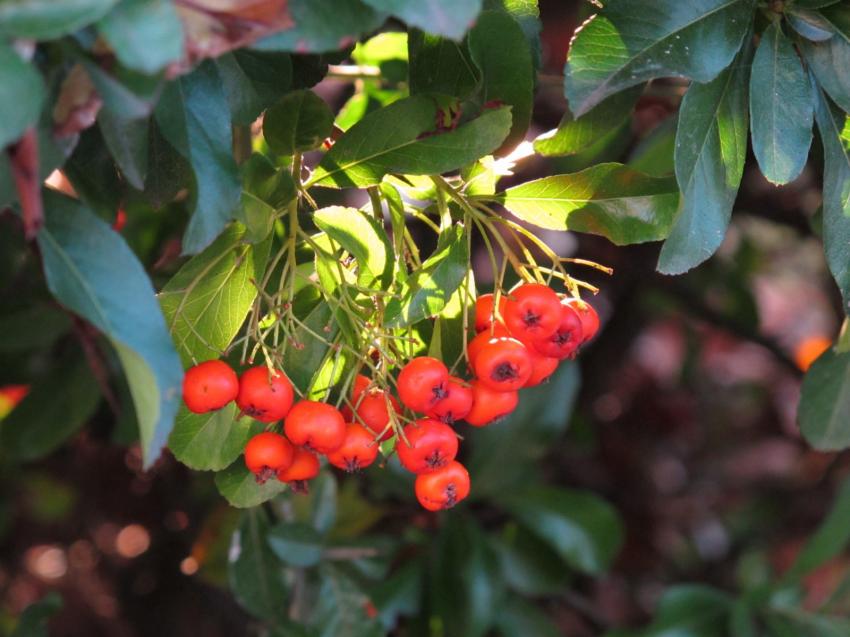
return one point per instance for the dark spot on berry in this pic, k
(352, 465)
(264, 474)
(504, 371)
(448, 418)
(439, 392)
(300, 486)
(451, 496)
(530, 318)
(435, 460)
(254, 412)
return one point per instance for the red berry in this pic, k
(455, 405)
(268, 453)
(542, 367)
(430, 445)
(422, 382)
(443, 488)
(564, 342)
(304, 467)
(370, 405)
(209, 386)
(474, 346)
(317, 426)
(264, 396)
(503, 364)
(489, 406)
(532, 311)
(359, 449)
(484, 311)
(589, 317)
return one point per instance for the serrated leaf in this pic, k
(389, 140)
(781, 108)
(297, 123)
(211, 441)
(824, 409)
(440, 66)
(611, 200)
(296, 544)
(614, 50)
(363, 237)
(92, 271)
(146, 35)
(253, 80)
(40, 20)
(22, 93)
(711, 146)
(449, 18)
(239, 486)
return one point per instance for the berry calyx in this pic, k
(484, 311)
(209, 386)
(359, 449)
(304, 467)
(587, 314)
(503, 364)
(316, 426)
(542, 367)
(268, 453)
(532, 311)
(565, 340)
(444, 488)
(422, 382)
(263, 395)
(455, 405)
(370, 408)
(489, 406)
(430, 445)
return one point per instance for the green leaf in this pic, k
(92, 271)
(711, 146)
(827, 60)
(824, 409)
(399, 594)
(239, 486)
(449, 18)
(653, 155)
(614, 50)
(127, 140)
(33, 621)
(146, 35)
(527, 14)
(388, 140)
(194, 117)
(691, 611)
(253, 80)
(318, 507)
(32, 327)
(255, 575)
(583, 529)
(528, 565)
(323, 25)
(297, 123)
(428, 289)
(55, 409)
(207, 301)
(813, 4)
(781, 108)
(810, 24)
(46, 20)
(519, 617)
(363, 237)
(296, 544)
(575, 135)
(439, 66)
(211, 441)
(833, 126)
(257, 216)
(340, 608)
(304, 363)
(611, 200)
(500, 50)
(267, 182)
(22, 93)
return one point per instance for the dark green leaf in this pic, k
(363, 237)
(32, 327)
(33, 621)
(528, 15)
(810, 24)
(450, 18)
(253, 80)
(264, 180)
(824, 409)
(583, 529)
(528, 565)
(614, 50)
(168, 173)
(813, 4)
(296, 544)
(127, 140)
(711, 146)
(500, 50)
(93, 272)
(518, 617)
(126, 94)
(399, 594)
(211, 441)
(194, 117)
(691, 611)
(653, 155)
(447, 339)
(388, 140)
(146, 35)
(22, 93)
(318, 506)
(304, 364)
(239, 486)
(255, 575)
(611, 200)
(42, 20)
(438, 65)
(827, 60)
(206, 302)
(297, 123)
(341, 608)
(781, 108)
(575, 135)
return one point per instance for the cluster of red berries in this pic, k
(519, 344)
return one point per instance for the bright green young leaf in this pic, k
(193, 116)
(255, 575)
(92, 271)
(388, 140)
(363, 237)
(211, 441)
(583, 529)
(500, 50)
(449, 18)
(206, 302)
(611, 200)
(127, 140)
(439, 65)
(711, 146)
(253, 81)
(824, 409)
(341, 607)
(22, 93)
(781, 108)
(297, 123)
(239, 486)
(614, 50)
(810, 24)
(384, 47)
(296, 544)
(827, 60)
(46, 20)
(33, 621)
(574, 135)
(146, 35)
